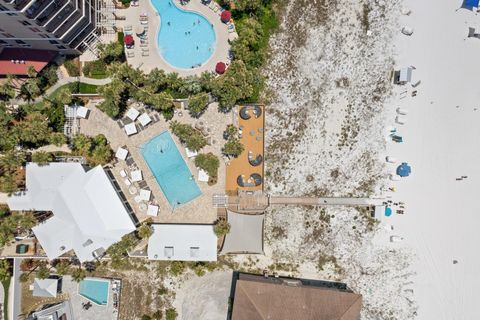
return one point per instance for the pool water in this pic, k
(95, 290)
(186, 39)
(170, 170)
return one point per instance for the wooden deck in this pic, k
(252, 137)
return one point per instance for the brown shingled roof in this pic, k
(258, 300)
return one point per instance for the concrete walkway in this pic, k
(62, 82)
(15, 291)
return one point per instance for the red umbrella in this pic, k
(220, 68)
(226, 15)
(128, 39)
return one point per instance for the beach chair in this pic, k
(145, 54)
(127, 28)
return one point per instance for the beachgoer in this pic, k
(197, 47)
(168, 23)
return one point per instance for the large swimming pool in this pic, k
(170, 170)
(186, 39)
(95, 290)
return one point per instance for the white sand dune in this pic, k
(442, 218)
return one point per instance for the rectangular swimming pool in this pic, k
(170, 170)
(95, 290)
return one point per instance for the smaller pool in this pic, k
(95, 290)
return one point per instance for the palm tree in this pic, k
(4, 270)
(43, 272)
(78, 275)
(23, 277)
(62, 268)
(42, 158)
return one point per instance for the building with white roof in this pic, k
(88, 215)
(182, 242)
(45, 287)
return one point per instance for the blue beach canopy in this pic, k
(471, 3)
(404, 170)
(388, 212)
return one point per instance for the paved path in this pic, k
(279, 200)
(15, 292)
(62, 82)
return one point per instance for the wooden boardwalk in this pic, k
(255, 202)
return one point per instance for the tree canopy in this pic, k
(208, 162)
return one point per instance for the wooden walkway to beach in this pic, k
(255, 202)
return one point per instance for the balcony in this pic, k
(21, 4)
(60, 17)
(51, 8)
(35, 9)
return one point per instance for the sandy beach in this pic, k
(441, 143)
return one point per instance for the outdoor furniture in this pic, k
(137, 199)
(127, 182)
(132, 190)
(144, 119)
(136, 175)
(190, 153)
(130, 129)
(121, 153)
(132, 113)
(142, 206)
(152, 210)
(145, 194)
(82, 112)
(123, 173)
(203, 176)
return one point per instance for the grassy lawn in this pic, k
(75, 87)
(6, 285)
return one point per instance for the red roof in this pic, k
(226, 16)
(220, 68)
(128, 39)
(17, 60)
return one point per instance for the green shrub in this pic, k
(72, 68)
(208, 162)
(233, 147)
(221, 227)
(171, 314)
(188, 135)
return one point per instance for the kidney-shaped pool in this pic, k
(186, 39)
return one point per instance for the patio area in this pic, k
(242, 172)
(199, 210)
(146, 55)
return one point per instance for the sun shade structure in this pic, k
(470, 4)
(246, 234)
(220, 68)
(88, 215)
(182, 242)
(404, 170)
(82, 112)
(133, 114)
(121, 153)
(128, 39)
(225, 16)
(45, 287)
(259, 298)
(144, 119)
(130, 129)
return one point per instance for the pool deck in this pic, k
(154, 60)
(199, 210)
(96, 312)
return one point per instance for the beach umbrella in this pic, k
(404, 170)
(220, 68)
(128, 39)
(225, 16)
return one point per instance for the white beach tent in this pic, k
(132, 113)
(121, 153)
(88, 215)
(182, 242)
(405, 75)
(144, 119)
(130, 129)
